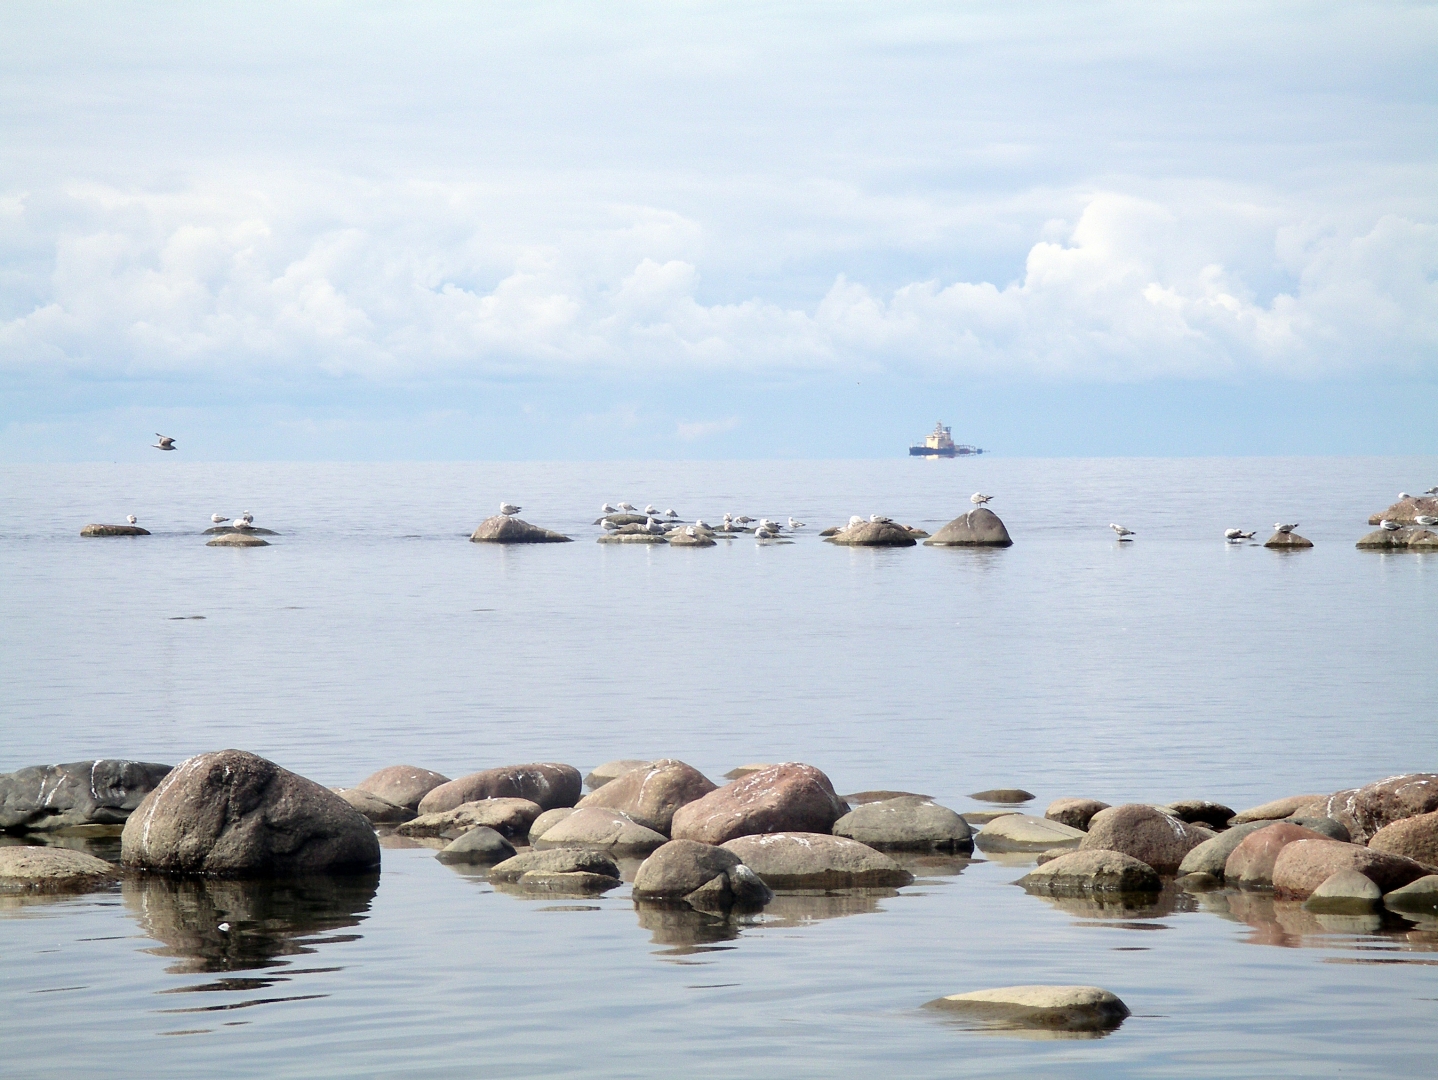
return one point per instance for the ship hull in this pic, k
(929, 451)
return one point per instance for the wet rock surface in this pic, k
(792, 797)
(909, 822)
(1023, 832)
(1077, 1009)
(479, 845)
(599, 827)
(51, 869)
(103, 791)
(797, 860)
(1346, 892)
(703, 875)
(1420, 896)
(547, 783)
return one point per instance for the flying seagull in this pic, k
(978, 498)
(165, 443)
(1123, 534)
(509, 508)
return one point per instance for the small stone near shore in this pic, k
(114, 530)
(403, 785)
(977, 528)
(1080, 872)
(1054, 1008)
(612, 770)
(509, 817)
(1146, 833)
(1277, 809)
(1289, 541)
(1345, 893)
(704, 875)
(1023, 832)
(798, 860)
(1004, 796)
(555, 861)
(507, 529)
(1075, 813)
(910, 822)
(237, 540)
(547, 820)
(480, 845)
(1419, 897)
(51, 869)
(376, 810)
(599, 827)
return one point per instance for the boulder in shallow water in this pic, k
(598, 827)
(237, 540)
(114, 530)
(977, 528)
(403, 785)
(1413, 837)
(1146, 833)
(702, 874)
(377, 810)
(1051, 1008)
(1006, 796)
(859, 798)
(548, 820)
(509, 817)
(235, 813)
(651, 795)
(42, 798)
(51, 869)
(1024, 832)
(1289, 541)
(555, 861)
(1402, 540)
(873, 534)
(1251, 861)
(1404, 511)
(1367, 809)
(797, 860)
(1200, 812)
(1277, 809)
(792, 797)
(908, 823)
(1211, 856)
(1420, 896)
(1345, 893)
(1078, 872)
(480, 845)
(507, 529)
(1075, 813)
(1304, 865)
(547, 783)
(680, 538)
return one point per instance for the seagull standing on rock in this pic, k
(509, 509)
(978, 498)
(1279, 527)
(607, 509)
(880, 519)
(1426, 520)
(628, 508)
(855, 520)
(165, 443)
(132, 519)
(1123, 534)
(218, 518)
(1385, 525)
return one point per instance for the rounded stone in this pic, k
(791, 797)
(741, 771)
(702, 874)
(873, 534)
(375, 809)
(103, 791)
(1201, 812)
(1059, 1008)
(859, 798)
(1419, 896)
(1329, 827)
(977, 528)
(910, 822)
(509, 817)
(1211, 856)
(598, 827)
(547, 783)
(683, 539)
(507, 529)
(479, 845)
(1146, 833)
(1006, 796)
(1078, 872)
(1345, 893)
(1287, 541)
(650, 795)
(798, 860)
(612, 770)
(1413, 837)
(1023, 832)
(555, 861)
(547, 820)
(114, 530)
(1251, 862)
(51, 869)
(403, 785)
(1367, 809)
(1075, 813)
(1277, 809)
(237, 540)
(1305, 864)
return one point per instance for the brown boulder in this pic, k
(1278, 809)
(874, 534)
(1405, 510)
(1149, 835)
(613, 770)
(1367, 809)
(51, 869)
(1304, 865)
(1200, 812)
(1413, 837)
(799, 860)
(652, 794)
(507, 529)
(114, 530)
(1251, 862)
(1075, 813)
(508, 817)
(977, 528)
(703, 874)
(403, 785)
(379, 811)
(1077, 872)
(547, 783)
(1287, 540)
(782, 798)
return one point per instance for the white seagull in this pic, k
(855, 520)
(1403, 496)
(1280, 527)
(165, 443)
(218, 518)
(1123, 534)
(1233, 536)
(744, 519)
(649, 509)
(978, 498)
(248, 517)
(702, 524)
(508, 509)
(880, 519)
(654, 527)
(607, 509)
(628, 508)
(608, 526)
(762, 533)
(793, 524)
(671, 513)
(1431, 491)
(1426, 520)
(1385, 525)
(240, 523)
(132, 519)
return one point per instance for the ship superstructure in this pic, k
(940, 443)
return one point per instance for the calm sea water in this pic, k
(371, 633)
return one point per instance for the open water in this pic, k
(370, 633)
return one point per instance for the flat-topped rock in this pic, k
(1054, 1008)
(103, 791)
(1407, 539)
(1405, 510)
(507, 529)
(650, 795)
(680, 538)
(1076, 872)
(799, 860)
(1287, 541)
(403, 785)
(548, 783)
(1004, 796)
(51, 869)
(599, 827)
(1146, 833)
(631, 538)
(1075, 813)
(977, 528)
(114, 530)
(610, 770)
(556, 861)
(220, 530)
(906, 823)
(792, 797)
(509, 817)
(479, 846)
(873, 534)
(1024, 832)
(237, 540)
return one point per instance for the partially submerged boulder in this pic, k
(1052, 1008)
(1148, 834)
(509, 817)
(234, 813)
(1304, 865)
(1078, 872)
(1414, 539)
(650, 795)
(859, 798)
(681, 538)
(403, 785)
(1345, 893)
(105, 791)
(1287, 541)
(1367, 809)
(873, 534)
(1251, 862)
(1024, 832)
(907, 823)
(237, 540)
(507, 529)
(704, 875)
(1075, 813)
(114, 530)
(547, 783)
(1419, 896)
(571, 870)
(599, 827)
(51, 869)
(481, 845)
(1211, 856)
(800, 860)
(792, 797)
(977, 528)
(1008, 796)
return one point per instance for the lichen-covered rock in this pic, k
(547, 783)
(909, 822)
(977, 528)
(796, 860)
(1075, 813)
(1092, 871)
(508, 817)
(1148, 834)
(1413, 837)
(507, 529)
(1053, 1008)
(598, 827)
(792, 797)
(650, 795)
(1304, 865)
(1024, 832)
(51, 869)
(105, 791)
(479, 845)
(403, 785)
(702, 874)
(1251, 862)
(235, 813)
(375, 809)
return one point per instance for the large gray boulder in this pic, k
(509, 817)
(792, 797)
(235, 813)
(910, 822)
(651, 794)
(480, 845)
(597, 827)
(547, 783)
(1075, 813)
(1024, 832)
(403, 785)
(1148, 834)
(1212, 815)
(874, 534)
(702, 874)
(796, 860)
(502, 529)
(106, 791)
(51, 869)
(1080, 872)
(1050, 1008)
(1345, 893)
(977, 528)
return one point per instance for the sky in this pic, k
(716, 230)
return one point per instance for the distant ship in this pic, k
(940, 443)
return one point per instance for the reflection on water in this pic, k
(1127, 906)
(220, 925)
(685, 929)
(1286, 924)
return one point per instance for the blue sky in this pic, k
(716, 230)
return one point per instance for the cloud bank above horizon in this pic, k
(331, 196)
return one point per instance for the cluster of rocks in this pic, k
(1409, 514)
(977, 528)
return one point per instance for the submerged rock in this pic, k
(1414, 539)
(503, 529)
(704, 875)
(1287, 540)
(547, 783)
(556, 861)
(114, 530)
(42, 798)
(1075, 813)
(403, 785)
(1417, 896)
(859, 798)
(51, 869)
(631, 538)
(238, 540)
(1054, 1008)
(1023, 832)
(792, 797)
(680, 538)
(379, 811)
(1345, 893)
(650, 795)
(235, 813)
(1077, 872)
(910, 822)
(977, 528)
(1148, 834)
(1008, 796)
(800, 860)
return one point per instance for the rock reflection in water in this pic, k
(800, 908)
(264, 920)
(1123, 906)
(1286, 924)
(685, 929)
(932, 864)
